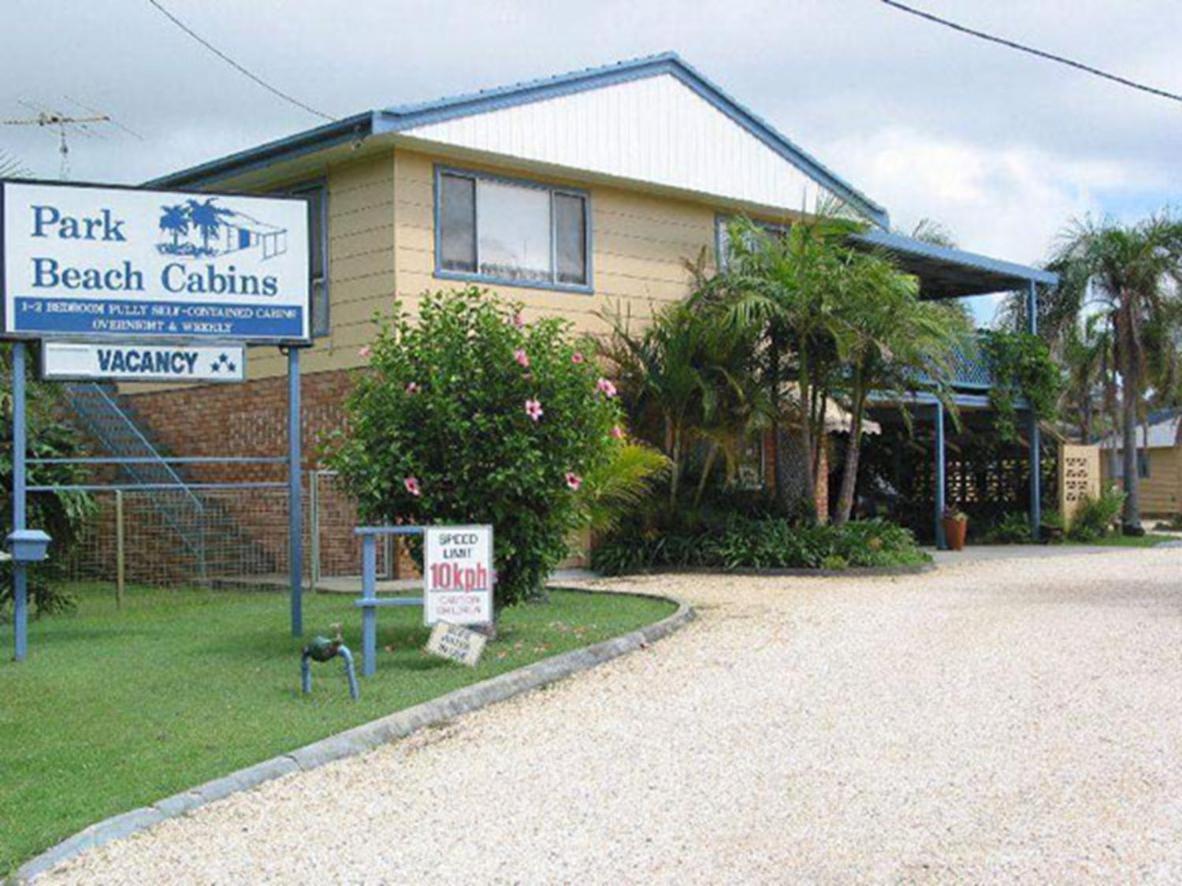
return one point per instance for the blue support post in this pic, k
(1035, 433)
(941, 541)
(20, 578)
(369, 613)
(295, 503)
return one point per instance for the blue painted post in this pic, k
(295, 504)
(20, 578)
(369, 614)
(1035, 432)
(941, 541)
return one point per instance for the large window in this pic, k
(317, 228)
(513, 232)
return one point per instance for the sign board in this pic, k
(142, 362)
(456, 643)
(86, 261)
(458, 575)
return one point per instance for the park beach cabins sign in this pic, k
(86, 261)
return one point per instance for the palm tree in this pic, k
(685, 379)
(175, 221)
(783, 285)
(207, 219)
(889, 341)
(1131, 273)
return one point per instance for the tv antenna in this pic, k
(65, 124)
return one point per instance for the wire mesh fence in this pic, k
(222, 537)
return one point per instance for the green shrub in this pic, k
(761, 543)
(1094, 518)
(1012, 529)
(470, 415)
(61, 514)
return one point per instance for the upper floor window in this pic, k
(503, 231)
(316, 195)
(722, 236)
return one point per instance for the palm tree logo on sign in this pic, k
(202, 229)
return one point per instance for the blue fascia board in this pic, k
(357, 126)
(403, 117)
(901, 243)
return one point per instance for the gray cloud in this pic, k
(1000, 147)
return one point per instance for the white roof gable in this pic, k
(654, 130)
(1163, 434)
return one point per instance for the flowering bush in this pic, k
(470, 415)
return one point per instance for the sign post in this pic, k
(131, 284)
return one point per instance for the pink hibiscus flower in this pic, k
(518, 320)
(412, 486)
(577, 357)
(521, 357)
(617, 433)
(573, 480)
(412, 387)
(365, 352)
(533, 408)
(605, 387)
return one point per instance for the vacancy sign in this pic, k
(66, 361)
(90, 261)
(458, 575)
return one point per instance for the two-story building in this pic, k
(570, 194)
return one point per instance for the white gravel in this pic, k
(1009, 720)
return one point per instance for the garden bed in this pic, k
(767, 546)
(117, 709)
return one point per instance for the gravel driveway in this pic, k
(1010, 720)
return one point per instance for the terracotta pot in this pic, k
(954, 533)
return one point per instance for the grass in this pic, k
(1148, 540)
(116, 709)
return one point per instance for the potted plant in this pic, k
(956, 525)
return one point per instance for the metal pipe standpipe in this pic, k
(323, 649)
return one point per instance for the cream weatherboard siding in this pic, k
(381, 235)
(638, 245)
(1161, 491)
(361, 238)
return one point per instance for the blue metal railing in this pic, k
(971, 366)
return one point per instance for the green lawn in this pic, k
(1148, 540)
(116, 709)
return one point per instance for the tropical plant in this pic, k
(782, 286)
(684, 380)
(1094, 518)
(62, 514)
(889, 340)
(620, 486)
(1131, 273)
(742, 543)
(470, 415)
(1022, 367)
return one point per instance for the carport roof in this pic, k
(945, 272)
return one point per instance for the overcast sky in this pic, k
(1000, 147)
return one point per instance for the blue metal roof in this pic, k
(945, 272)
(403, 117)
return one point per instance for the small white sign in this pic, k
(143, 362)
(458, 575)
(456, 643)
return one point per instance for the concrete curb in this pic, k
(366, 737)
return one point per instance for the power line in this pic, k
(267, 86)
(1124, 81)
